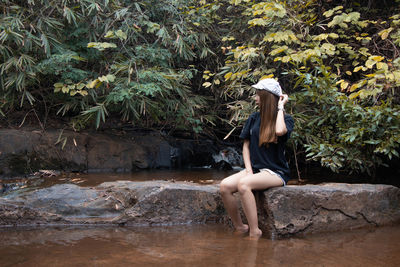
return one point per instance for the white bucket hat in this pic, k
(270, 85)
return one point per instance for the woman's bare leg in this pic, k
(229, 186)
(259, 181)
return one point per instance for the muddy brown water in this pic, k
(186, 245)
(201, 176)
(194, 245)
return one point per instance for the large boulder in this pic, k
(293, 210)
(160, 202)
(283, 211)
(122, 202)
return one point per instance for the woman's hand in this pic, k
(283, 99)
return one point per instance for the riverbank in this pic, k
(25, 151)
(284, 211)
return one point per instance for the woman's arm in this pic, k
(280, 126)
(246, 156)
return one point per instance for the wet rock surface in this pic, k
(284, 211)
(328, 207)
(121, 202)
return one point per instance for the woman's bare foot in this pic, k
(243, 229)
(255, 234)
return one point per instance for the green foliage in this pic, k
(339, 132)
(339, 65)
(97, 58)
(188, 65)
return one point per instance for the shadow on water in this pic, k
(194, 245)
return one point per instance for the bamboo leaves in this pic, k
(101, 46)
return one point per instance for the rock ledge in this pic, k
(283, 211)
(328, 207)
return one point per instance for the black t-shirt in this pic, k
(273, 156)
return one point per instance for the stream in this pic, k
(185, 245)
(194, 245)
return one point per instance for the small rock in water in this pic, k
(47, 173)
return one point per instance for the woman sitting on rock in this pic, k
(265, 134)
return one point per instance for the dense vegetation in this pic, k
(187, 65)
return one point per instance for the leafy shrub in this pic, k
(339, 65)
(91, 59)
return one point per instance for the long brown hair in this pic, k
(268, 112)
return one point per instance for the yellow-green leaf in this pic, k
(79, 86)
(92, 84)
(329, 48)
(354, 87)
(354, 95)
(99, 84)
(267, 76)
(107, 78)
(356, 69)
(396, 75)
(101, 46)
(110, 78)
(286, 59)
(207, 84)
(344, 85)
(258, 22)
(227, 76)
(121, 35)
(333, 35)
(109, 34)
(339, 81)
(278, 50)
(377, 58)
(385, 33)
(331, 11)
(228, 38)
(103, 79)
(79, 58)
(370, 63)
(83, 92)
(320, 37)
(382, 65)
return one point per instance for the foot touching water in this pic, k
(243, 229)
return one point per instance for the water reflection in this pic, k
(200, 176)
(198, 245)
